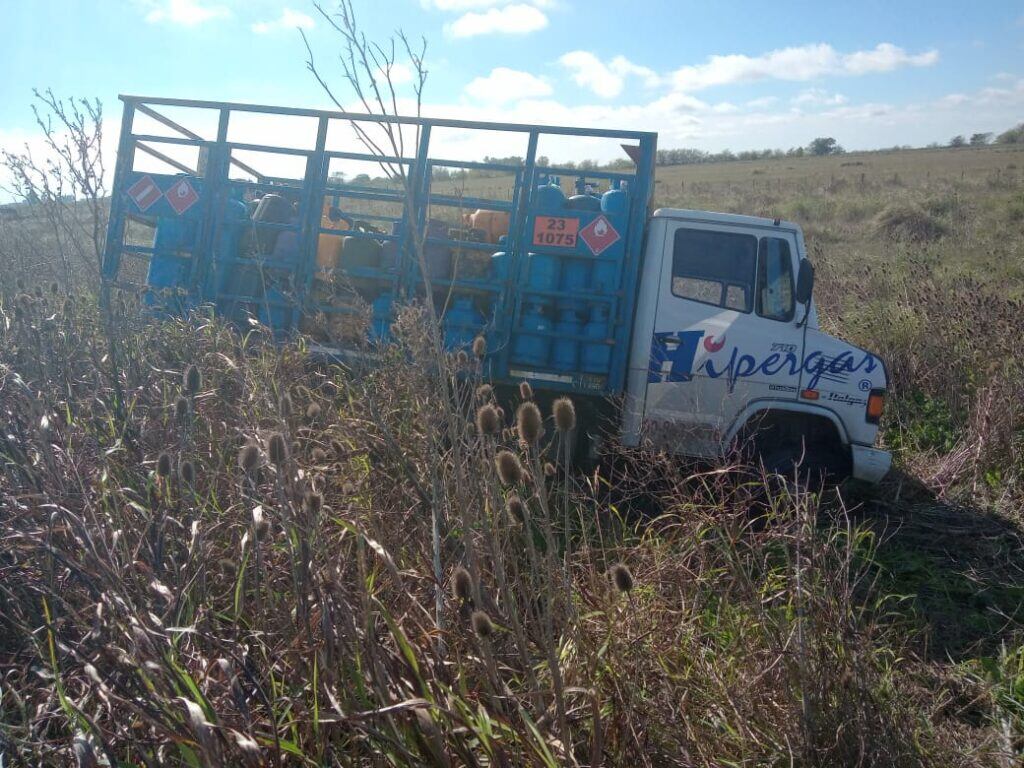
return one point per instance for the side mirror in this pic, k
(805, 282)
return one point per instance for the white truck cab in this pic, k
(726, 351)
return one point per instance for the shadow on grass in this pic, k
(961, 567)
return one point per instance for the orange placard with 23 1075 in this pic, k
(555, 231)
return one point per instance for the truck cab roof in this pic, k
(710, 217)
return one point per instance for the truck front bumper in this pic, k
(869, 464)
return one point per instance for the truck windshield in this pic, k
(714, 268)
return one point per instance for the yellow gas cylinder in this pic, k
(328, 247)
(494, 223)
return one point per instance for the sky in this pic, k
(709, 75)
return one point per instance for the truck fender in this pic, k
(760, 406)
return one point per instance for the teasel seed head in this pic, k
(525, 390)
(529, 423)
(313, 502)
(485, 393)
(187, 472)
(249, 457)
(277, 449)
(54, 287)
(565, 414)
(284, 405)
(482, 624)
(621, 577)
(181, 408)
(192, 380)
(462, 585)
(479, 346)
(510, 470)
(487, 422)
(313, 412)
(516, 508)
(164, 465)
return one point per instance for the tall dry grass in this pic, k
(223, 552)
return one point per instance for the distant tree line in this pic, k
(1013, 136)
(819, 147)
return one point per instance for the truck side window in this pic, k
(714, 268)
(775, 280)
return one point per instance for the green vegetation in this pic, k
(216, 551)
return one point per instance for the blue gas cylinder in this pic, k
(462, 323)
(605, 276)
(543, 271)
(550, 197)
(389, 252)
(615, 202)
(232, 225)
(575, 275)
(585, 198)
(275, 310)
(596, 357)
(565, 353)
(501, 262)
(528, 348)
(173, 242)
(380, 327)
(438, 257)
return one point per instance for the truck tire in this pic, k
(812, 468)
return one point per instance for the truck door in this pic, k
(724, 332)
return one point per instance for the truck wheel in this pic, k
(812, 468)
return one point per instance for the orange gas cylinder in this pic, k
(328, 247)
(494, 223)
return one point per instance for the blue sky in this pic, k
(704, 74)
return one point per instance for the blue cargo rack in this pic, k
(556, 300)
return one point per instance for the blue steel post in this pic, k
(312, 205)
(115, 223)
(626, 309)
(215, 190)
(417, 192)
(516, 248)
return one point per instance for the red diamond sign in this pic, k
(599, 235)
(144, 193)
(182, 196)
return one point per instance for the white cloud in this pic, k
(188, 13)
(804, 62)
(818, 97)
(505, 85)
(289, 19)
(400, 73)
(605, 80)
(885, 57)
(517, 19)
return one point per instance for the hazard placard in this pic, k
(144, 193)
(182, 196)
(555, 231)
(599, 235)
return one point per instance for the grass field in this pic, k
(215, 553)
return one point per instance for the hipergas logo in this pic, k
(673, 356)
